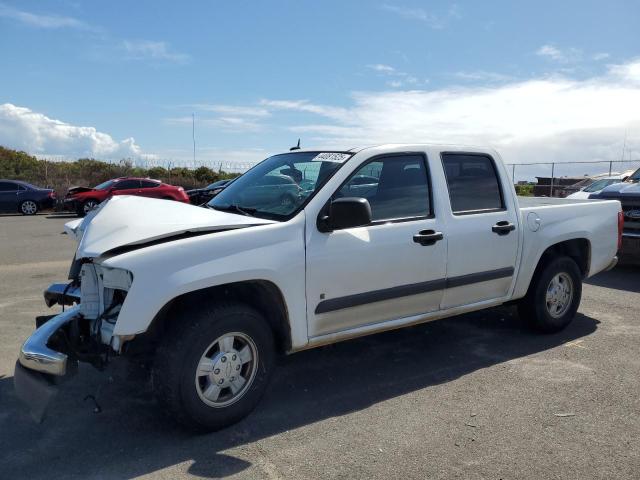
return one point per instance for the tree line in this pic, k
(16, 165)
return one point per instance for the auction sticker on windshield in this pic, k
(333, 157)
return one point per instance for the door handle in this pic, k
(427, 237)
(503, 227)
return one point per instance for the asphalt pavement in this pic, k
(476, 396)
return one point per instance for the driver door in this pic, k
(378, 272)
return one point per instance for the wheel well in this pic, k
(262, 295)
(579, 249)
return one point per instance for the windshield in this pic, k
(280, 186)
(635, 176)
(104, 185)
(600, 184)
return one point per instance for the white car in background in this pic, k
(596, 187)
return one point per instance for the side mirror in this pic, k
(345, 212)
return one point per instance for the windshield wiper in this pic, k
(248, 212)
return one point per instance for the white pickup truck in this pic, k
(306, 249)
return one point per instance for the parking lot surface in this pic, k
(476, 396)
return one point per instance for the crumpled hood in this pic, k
(74, 190)
(619, 191)
(129, 220)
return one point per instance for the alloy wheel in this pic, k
(226, 369)
(559, 295)
(29, 207)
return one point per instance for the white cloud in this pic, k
(151, 50)
(601, 56)
(35, 133)
(547, 119)
(433, 20)
(399, 78)
(481, 75)
(567, 55)
(41, 21)
(237, 110)
(224, 122)
(336, 113)
(379, 67)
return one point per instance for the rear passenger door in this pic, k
(149, 188)
(481, 230)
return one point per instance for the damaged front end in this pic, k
(83, 332)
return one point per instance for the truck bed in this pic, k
(530, 202)
(551, 220)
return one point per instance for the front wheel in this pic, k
(554, 296)
(213, 368)
(86, 207)
(28, 207)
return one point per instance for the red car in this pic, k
(83, 199)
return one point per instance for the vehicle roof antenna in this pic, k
(297, 147)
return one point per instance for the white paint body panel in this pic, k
(304, 263)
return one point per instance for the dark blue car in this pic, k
(22, 197)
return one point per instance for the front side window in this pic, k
(280, 186)
(148, 184)
(396, 187)
(473, 183)
(7, 187)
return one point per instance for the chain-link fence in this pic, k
(561, 178)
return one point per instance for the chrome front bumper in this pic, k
(36, 355)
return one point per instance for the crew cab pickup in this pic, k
(213, 294)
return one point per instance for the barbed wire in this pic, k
(166, 163)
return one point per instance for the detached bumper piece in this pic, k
(61, 294)
(39, 367)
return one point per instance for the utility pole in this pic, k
(193, 135)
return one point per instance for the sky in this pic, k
(539, 81)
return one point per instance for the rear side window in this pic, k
(473, 183)
(148, 184)
(127, 184)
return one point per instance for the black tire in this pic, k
(534, 307)
(29, 207)
(82, 208)
(192, 334)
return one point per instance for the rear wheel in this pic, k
(554, 295)
(213, 368)
(28, 207)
